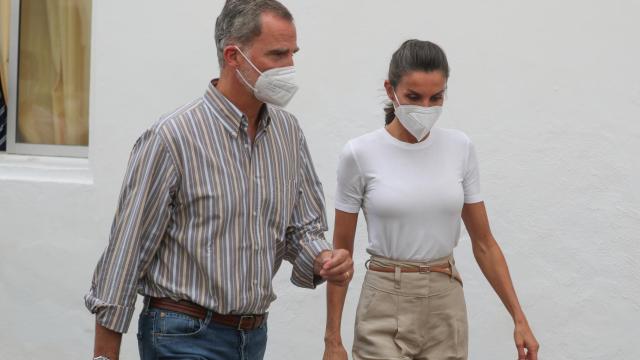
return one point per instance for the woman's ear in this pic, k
(389, 88)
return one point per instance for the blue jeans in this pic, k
(168, 335)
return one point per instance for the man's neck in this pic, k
(241, 97)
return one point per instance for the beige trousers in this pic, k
(410, 316)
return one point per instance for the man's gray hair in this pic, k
(240, 22)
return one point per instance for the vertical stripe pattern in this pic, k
(3, 121)
(207, 216)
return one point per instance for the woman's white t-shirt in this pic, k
(411, 194)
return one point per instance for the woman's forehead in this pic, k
(422, 79)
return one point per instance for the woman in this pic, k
(414, 184)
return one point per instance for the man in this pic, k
(216, 194)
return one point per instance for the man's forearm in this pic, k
(107, 342)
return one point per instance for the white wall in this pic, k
(548, 90)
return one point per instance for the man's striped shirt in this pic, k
(207, 216)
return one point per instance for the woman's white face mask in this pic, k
(275, 86)
(418, 120)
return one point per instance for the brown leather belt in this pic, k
(423, 269)
(240, 322)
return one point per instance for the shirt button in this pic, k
(255, 213)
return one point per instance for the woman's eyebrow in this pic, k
(410, 90)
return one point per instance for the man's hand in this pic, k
(334, 266)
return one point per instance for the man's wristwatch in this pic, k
(101, 358)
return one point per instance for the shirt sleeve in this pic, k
(350, 185)
(305, 233)
(471, 180)
(138, 227)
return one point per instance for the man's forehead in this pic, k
(277, 28)
(276, 43)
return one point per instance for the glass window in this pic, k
(52, 65)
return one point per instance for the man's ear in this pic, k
(230, 54)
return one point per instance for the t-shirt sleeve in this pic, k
(350, 186)
(471, 180)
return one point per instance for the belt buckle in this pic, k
(423, 269)
(243, 317)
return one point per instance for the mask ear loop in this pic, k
(395, 96)
(244, 80)
(249, 61)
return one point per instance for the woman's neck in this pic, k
(399, 132)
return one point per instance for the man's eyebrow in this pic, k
(282, 51)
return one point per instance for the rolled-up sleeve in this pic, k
(140, 222)
(305, 233)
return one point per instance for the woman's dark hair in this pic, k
(414, 55)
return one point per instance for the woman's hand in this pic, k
(334, 350)
(525, 340)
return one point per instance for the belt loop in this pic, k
(145, 302)
(366, 264)
(397, 275)
(451, 267)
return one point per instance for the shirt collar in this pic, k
(231, 117)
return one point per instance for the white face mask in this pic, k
(418, 120)
(275, 86)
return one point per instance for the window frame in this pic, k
(14, 147)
